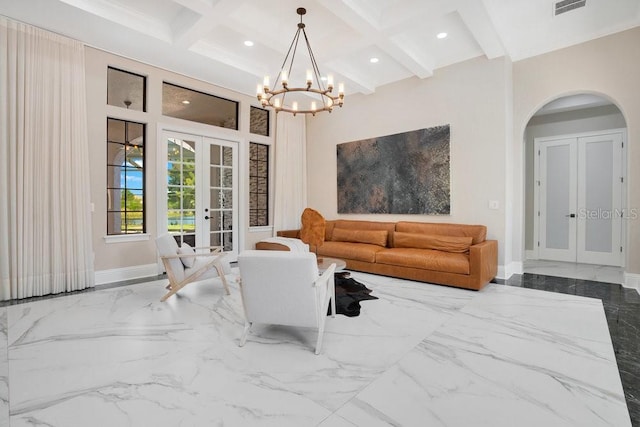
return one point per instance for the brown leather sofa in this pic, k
(447, 254)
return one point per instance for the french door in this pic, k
(198, 195)
(580, 198)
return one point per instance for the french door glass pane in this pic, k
(558, 196)
(599, 196)
(181, 187)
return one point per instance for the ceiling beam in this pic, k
(222, 55)
(126, 17)
(350, 13)
(210, 17)
(477, 20)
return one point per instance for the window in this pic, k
(126, 90)
(258, 185)
(259, 121)
(125, 177)
(188, 104)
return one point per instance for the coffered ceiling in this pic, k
(205, 38)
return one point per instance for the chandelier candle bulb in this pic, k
(266, 83)
(285, 79)
(330, 82)
(341, 89)
(294, 106)
(313, 106)
(309, 78)
(276, 103)
(259, 91)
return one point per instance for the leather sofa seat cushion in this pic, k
(477, 232)
(427, 259)
(373, 237)
(432, 241)
(347, 250)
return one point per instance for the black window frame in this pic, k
(237, 105)
(254, 194)
(124, 185)
(144, 87)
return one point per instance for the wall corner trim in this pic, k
(632, 281)
(126, 273)
(506, 271)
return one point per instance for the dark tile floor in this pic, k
(622, 308)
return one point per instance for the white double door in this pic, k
(197, 191)
(580, 198)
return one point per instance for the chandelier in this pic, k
(320, 97)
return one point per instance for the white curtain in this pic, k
(45, 217)
(290, 196)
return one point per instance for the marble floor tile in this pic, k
(596, 273)
(118, 356)
(510, 357)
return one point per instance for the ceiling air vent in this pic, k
(567, 5)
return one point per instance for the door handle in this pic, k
(571, 216)
(206, 217)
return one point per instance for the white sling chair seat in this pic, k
(206, 266)
(284, 288)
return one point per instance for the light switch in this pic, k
(494, 204)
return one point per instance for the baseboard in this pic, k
(126, 273)
(505, 272)
(531, 254)
(632, 281)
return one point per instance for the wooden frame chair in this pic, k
(285, 288)
(206, 265)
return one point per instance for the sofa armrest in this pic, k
(294, 234)
(483, 262)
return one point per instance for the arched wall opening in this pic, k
(575, 113)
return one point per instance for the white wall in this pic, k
(566, 123)
(473, 97)
(128, 257)
(609, 67)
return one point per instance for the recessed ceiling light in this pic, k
(248, 43)
(442, 35)
(374, 60)
(186, 102)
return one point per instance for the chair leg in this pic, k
(243, 338)
(220, 271)
(333, 300)
(173, 290)
(320, 335)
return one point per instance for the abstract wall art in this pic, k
(405, 173)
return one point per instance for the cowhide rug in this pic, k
(349, 293)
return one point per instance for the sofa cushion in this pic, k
(351, 224)
(373, 237)
(313, 224)
(478, 232)
(347, 250)
(432, 241)
(427, 259)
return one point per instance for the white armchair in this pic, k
(284, 288)
(202, 266)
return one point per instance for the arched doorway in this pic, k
(575, 189)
